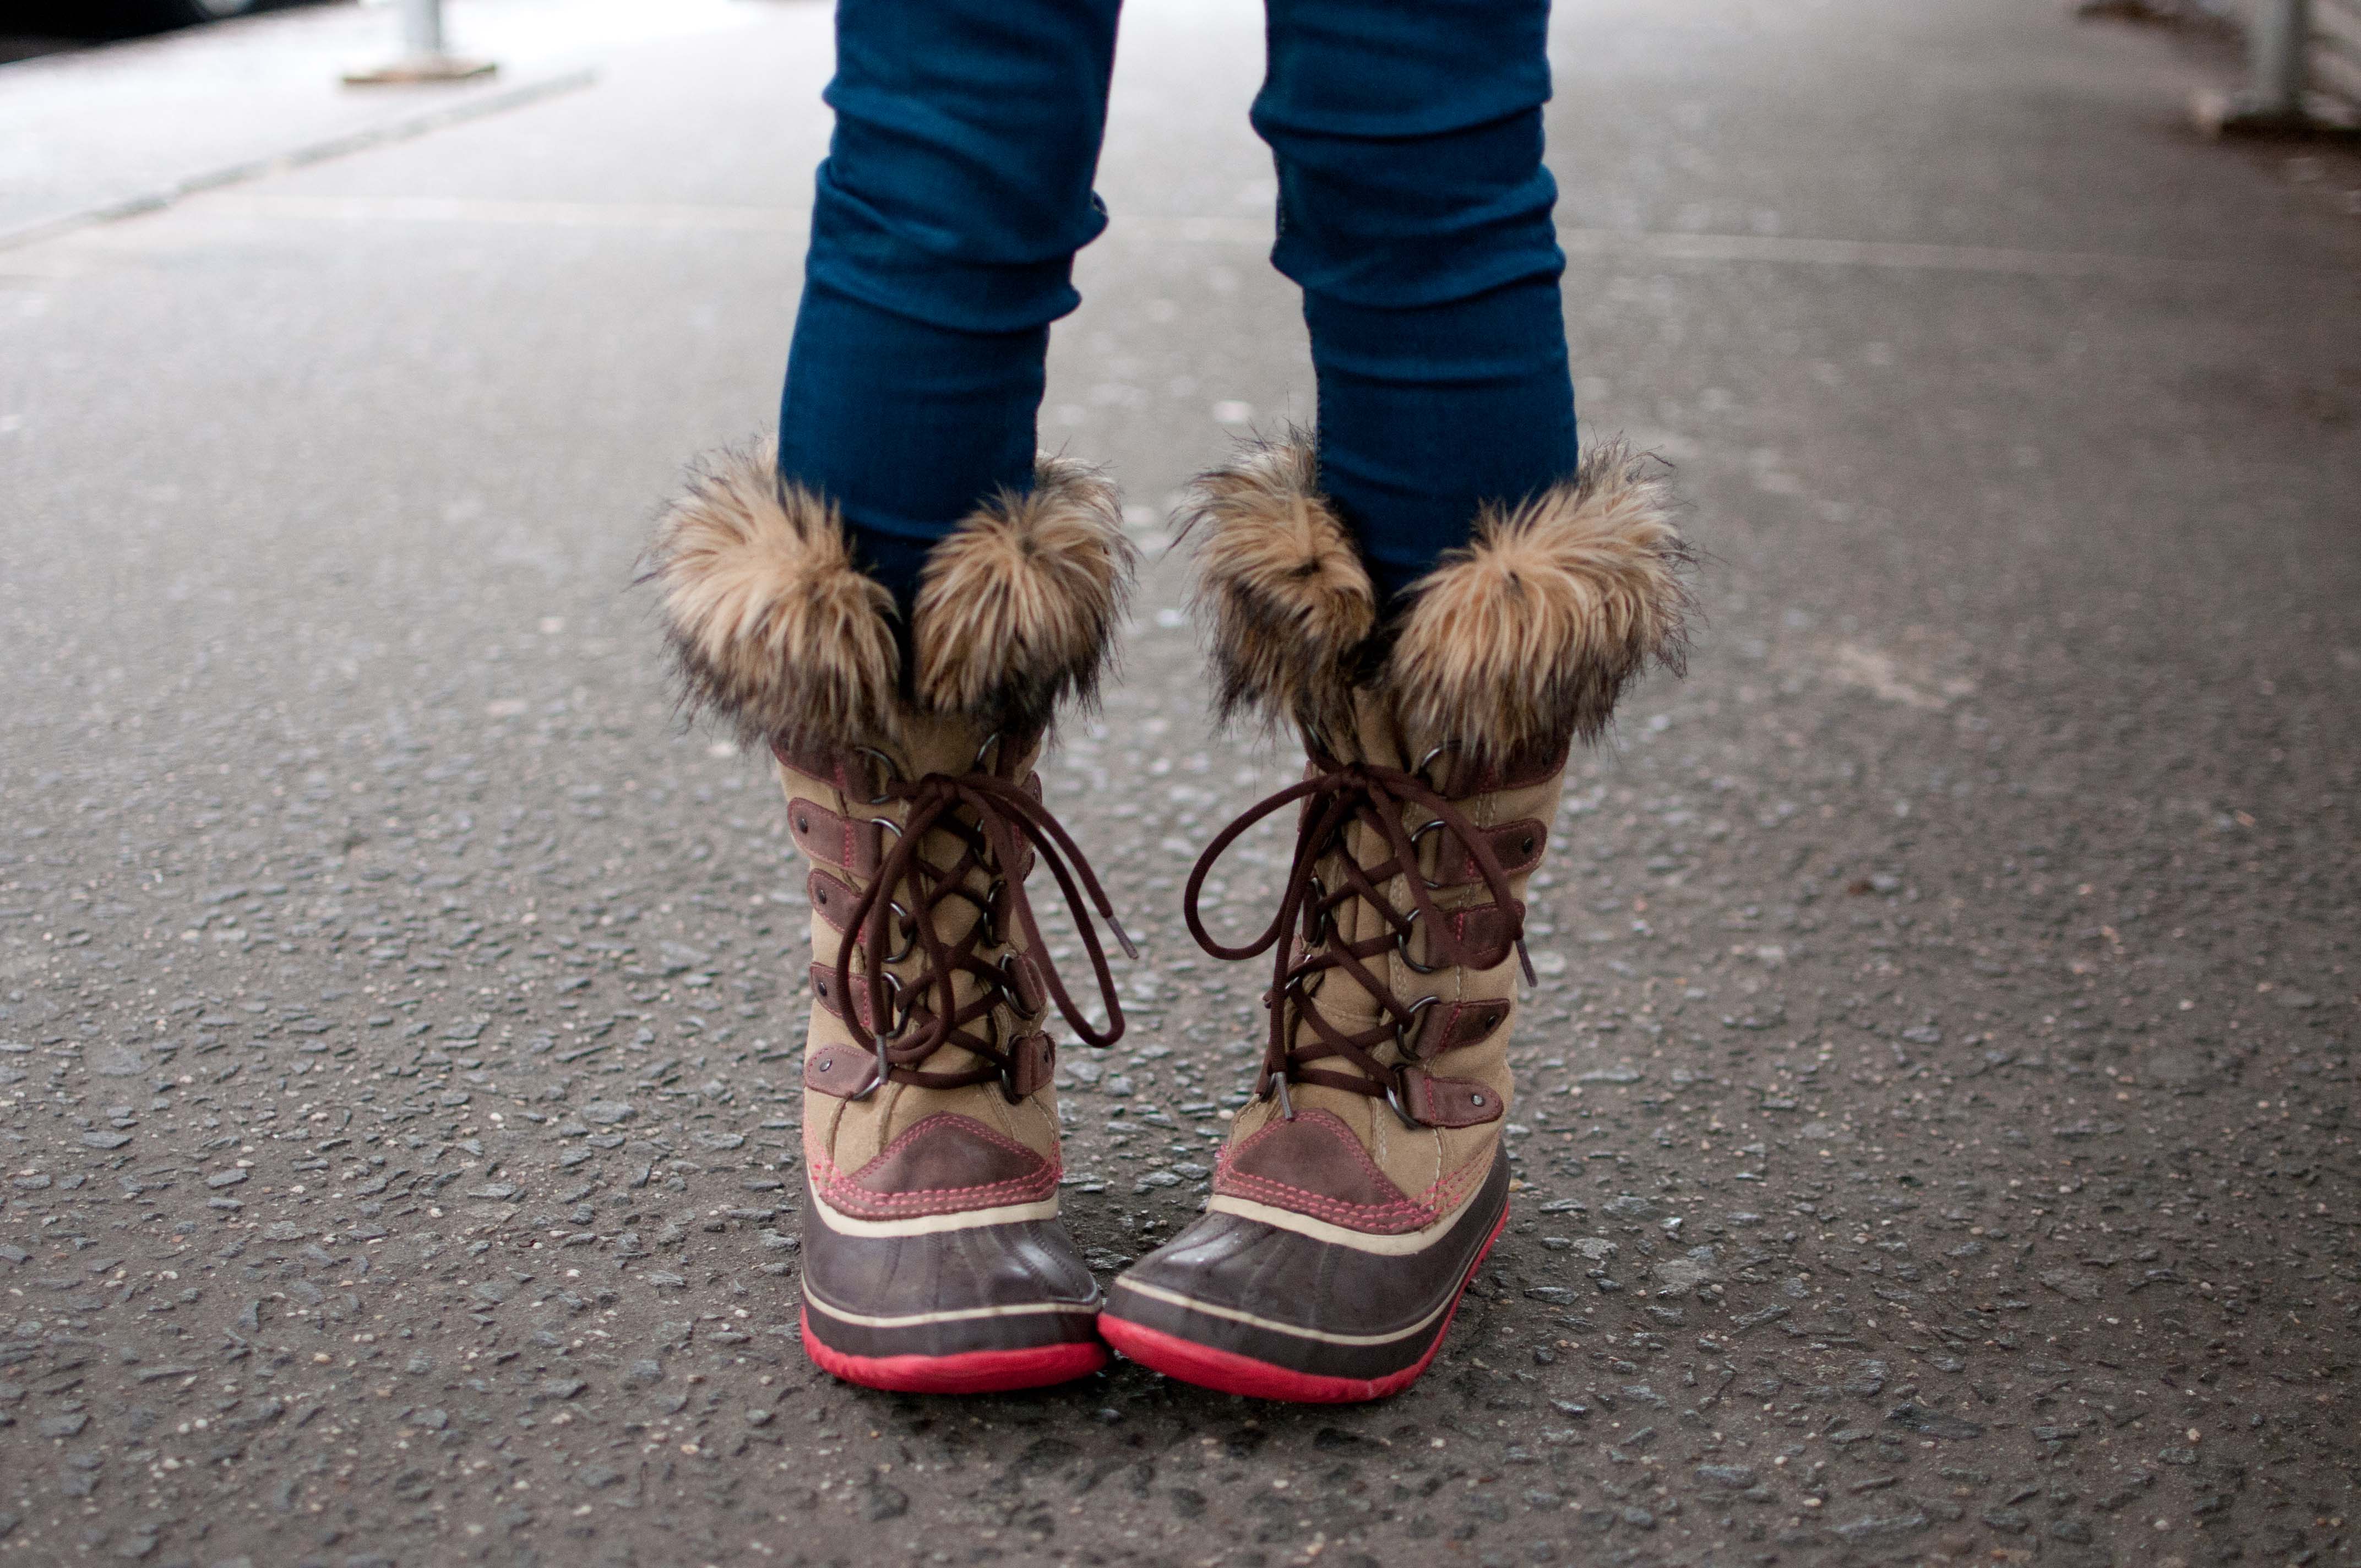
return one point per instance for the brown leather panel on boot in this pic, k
(1461, 778)
(1032, 1062)
(946, 1164)
(823, 984)
(1314, 1165)
(1488, 934)
(1451, 1102)
(828, 839)
(840, 1071)
(1519, 846)
(1460, 1023)
(831, 900)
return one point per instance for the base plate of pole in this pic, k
(2241, 114)
(418, 68)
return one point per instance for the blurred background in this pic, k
(1938, 1134)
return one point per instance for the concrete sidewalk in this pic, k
(101, 131)
(1938, 1138)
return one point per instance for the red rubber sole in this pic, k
(1227, 1372)
(970, 1372)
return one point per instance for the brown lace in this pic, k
(1335, 798)
(994, 819)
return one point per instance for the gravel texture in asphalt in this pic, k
(1937, 1133)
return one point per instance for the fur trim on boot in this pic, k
(776, 630)
(1280, 588)
(1520, 641)
(771, 626)
(1018, 610)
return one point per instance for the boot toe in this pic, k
(1308, 1311)
(926, 1304)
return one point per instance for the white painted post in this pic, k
(2278, 100)
(422, 27)
(2277, 38)
(424, 58)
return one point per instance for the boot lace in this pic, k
(1305, 936)
(994, 820)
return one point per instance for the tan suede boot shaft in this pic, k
(1435, 1169)
(841, 1133)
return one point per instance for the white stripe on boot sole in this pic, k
(958, 1315)
(844, 1224)
(1399, 1244)
(1174, 1298)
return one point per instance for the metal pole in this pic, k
(424, 58)
(422, 27)
(2278, 81)
(2276, 42)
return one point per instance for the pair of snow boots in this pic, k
(1364, 1180)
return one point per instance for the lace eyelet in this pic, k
(888, 771)
(987, 916)
(909, 929)
(1402, 947)
(1428, 761)
(1415, 868)
(1405, 1028)
(885, 1064)
(1398, 1103)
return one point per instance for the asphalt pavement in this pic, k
(1937, 1139)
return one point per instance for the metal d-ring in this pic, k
(909, 923)
(1424, 762)
(1409, 1021)
(990, 741)
(985, 916)
(1413, 867)
(1316, 909)
(1394, 1100)
(877, 1039)
(887, 772)
(1001, 1043)
(1401, 945)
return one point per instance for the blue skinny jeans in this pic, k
(1414, 212)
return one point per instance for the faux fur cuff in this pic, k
(1018, 610)
(1282, 592)
(776, 631)
(1521, 640)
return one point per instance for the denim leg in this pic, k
(1415, 212)
(956, 191)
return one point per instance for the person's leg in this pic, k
(1416, 214)
(898, 608)
(1439, 691)
(956, 192)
